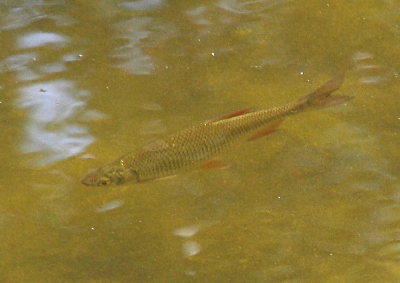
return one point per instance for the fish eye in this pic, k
(104, 182)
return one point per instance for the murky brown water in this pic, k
(83, 82)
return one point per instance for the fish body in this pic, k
(197, 145)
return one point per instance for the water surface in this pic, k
(82, 83)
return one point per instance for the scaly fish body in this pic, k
(192, 147)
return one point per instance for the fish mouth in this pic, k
(88, 181)
(90, 178)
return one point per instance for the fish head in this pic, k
(110, 175)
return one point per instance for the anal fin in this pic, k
(268, 130)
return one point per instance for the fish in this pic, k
(201, 145)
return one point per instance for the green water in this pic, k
(83, 82)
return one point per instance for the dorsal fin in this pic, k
(230, 115)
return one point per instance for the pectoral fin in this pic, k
(268, 130)
(214, 164)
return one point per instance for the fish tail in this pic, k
(322, 98)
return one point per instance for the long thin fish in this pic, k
(200, 144)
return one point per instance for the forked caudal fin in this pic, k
(321, 97)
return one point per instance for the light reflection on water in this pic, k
(53, 107)
(51, 128)
(248, 7)
(131, 56)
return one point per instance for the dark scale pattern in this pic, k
(192, 147)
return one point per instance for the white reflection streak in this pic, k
(131, 55)
(36, 39)
(142, 5)
(51, 108)
(372, 72)
(111, 205)
(247, 7)
(189, 248)
(187, 231)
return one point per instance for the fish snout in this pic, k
(90, 179)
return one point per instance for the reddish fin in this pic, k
(268, 130)
(230, 115)
(321, 97)
(214, 164)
